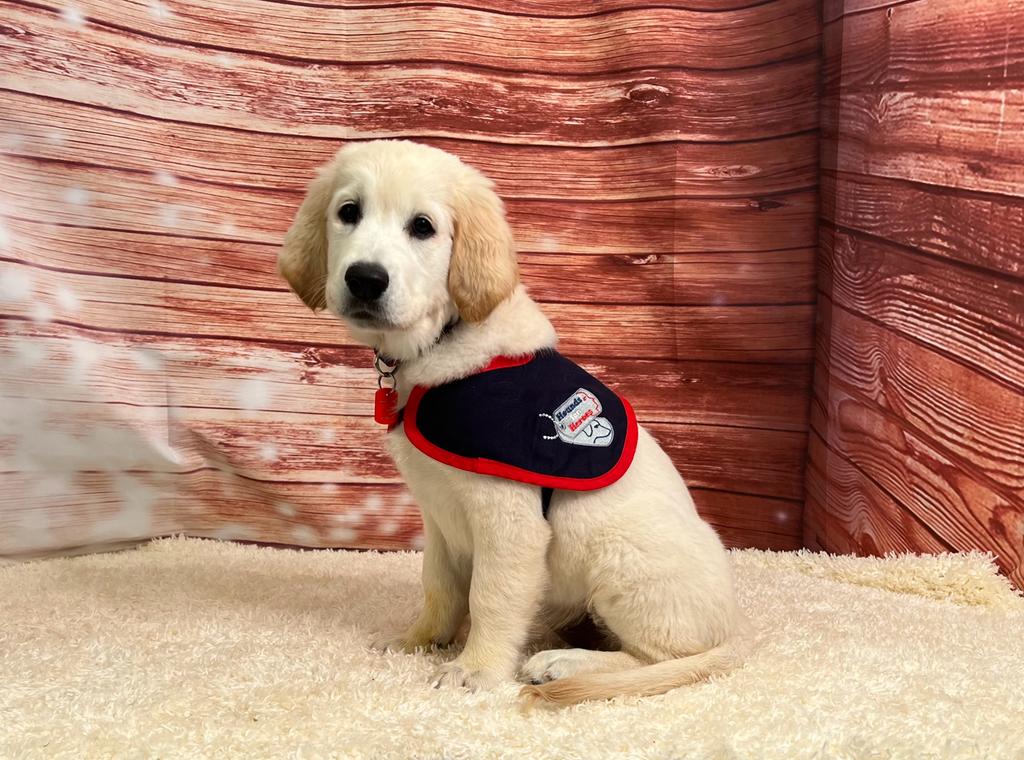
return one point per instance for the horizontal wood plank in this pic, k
(930, 219)
(169, 152)
(861, 517)
(69, 436)
(975, 317)
(717, 333)
(87, 366)
(972, 140)
(89, 507)
(93, 197)
(720, 278)
(760, 34)
(959, 509)
(972, 418)
(150, 77)
(927, 45)
(547, 9)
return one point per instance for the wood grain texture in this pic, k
(153, 156)
(968, 414)
(771, 333)
(973, 316)
(197, 85)
(297, 378)
(720, 278)
(90, 196)
(930, 219)
(453, 36)
(862, 518)
(917, 405)
(165, 151)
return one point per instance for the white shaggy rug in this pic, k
(192, 648)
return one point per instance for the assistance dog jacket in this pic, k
(538, 419)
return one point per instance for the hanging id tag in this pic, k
(385, 406)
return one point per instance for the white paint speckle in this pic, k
(252, 394)
(268, 452)
(165, 178)
(348, 518)
(227, 227)
(158, 10)
(388, 528)
(28, 353)
(15, 285)
(148, 359)
(224, 59)
(84, 356)
(284, 508)
(343, 535)
(66, 298)
(73, 16)
(327, 435)
(170, 215)
(231, 532)
(547, 244)
(76, 196)
(41, 313)
(373, 503)
(417, 542)
(56, 137)
(304, 535)
(329, 487)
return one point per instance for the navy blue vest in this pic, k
(538, 419)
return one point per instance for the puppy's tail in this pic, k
(641, 682)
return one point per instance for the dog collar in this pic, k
(385, 400)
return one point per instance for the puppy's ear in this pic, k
(483, 270)
(302, 260)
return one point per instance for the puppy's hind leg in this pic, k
(553, 664)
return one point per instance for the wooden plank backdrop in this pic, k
(158, 377)
(917, 421)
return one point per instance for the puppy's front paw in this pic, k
(454, 674)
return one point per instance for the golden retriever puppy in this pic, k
(410, 248)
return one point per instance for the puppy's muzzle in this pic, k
(367, 282)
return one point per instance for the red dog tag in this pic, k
(385, 406)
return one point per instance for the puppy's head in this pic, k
(394, 236)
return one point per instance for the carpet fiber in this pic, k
(191, 648)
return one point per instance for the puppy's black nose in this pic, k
(366, 281)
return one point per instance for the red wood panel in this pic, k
(297, 378)
(760, 333)
(931, 219)
(168, 151)
(185, 83)
(154, 156)
(973, 316)
(758, 34)
(94, 197)
(723, 277)
(917, 415)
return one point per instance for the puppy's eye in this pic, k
(421, 228)
(350, 213)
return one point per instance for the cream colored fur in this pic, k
(635, 555)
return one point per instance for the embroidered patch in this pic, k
(578, 421)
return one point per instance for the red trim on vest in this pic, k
(485, 466)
